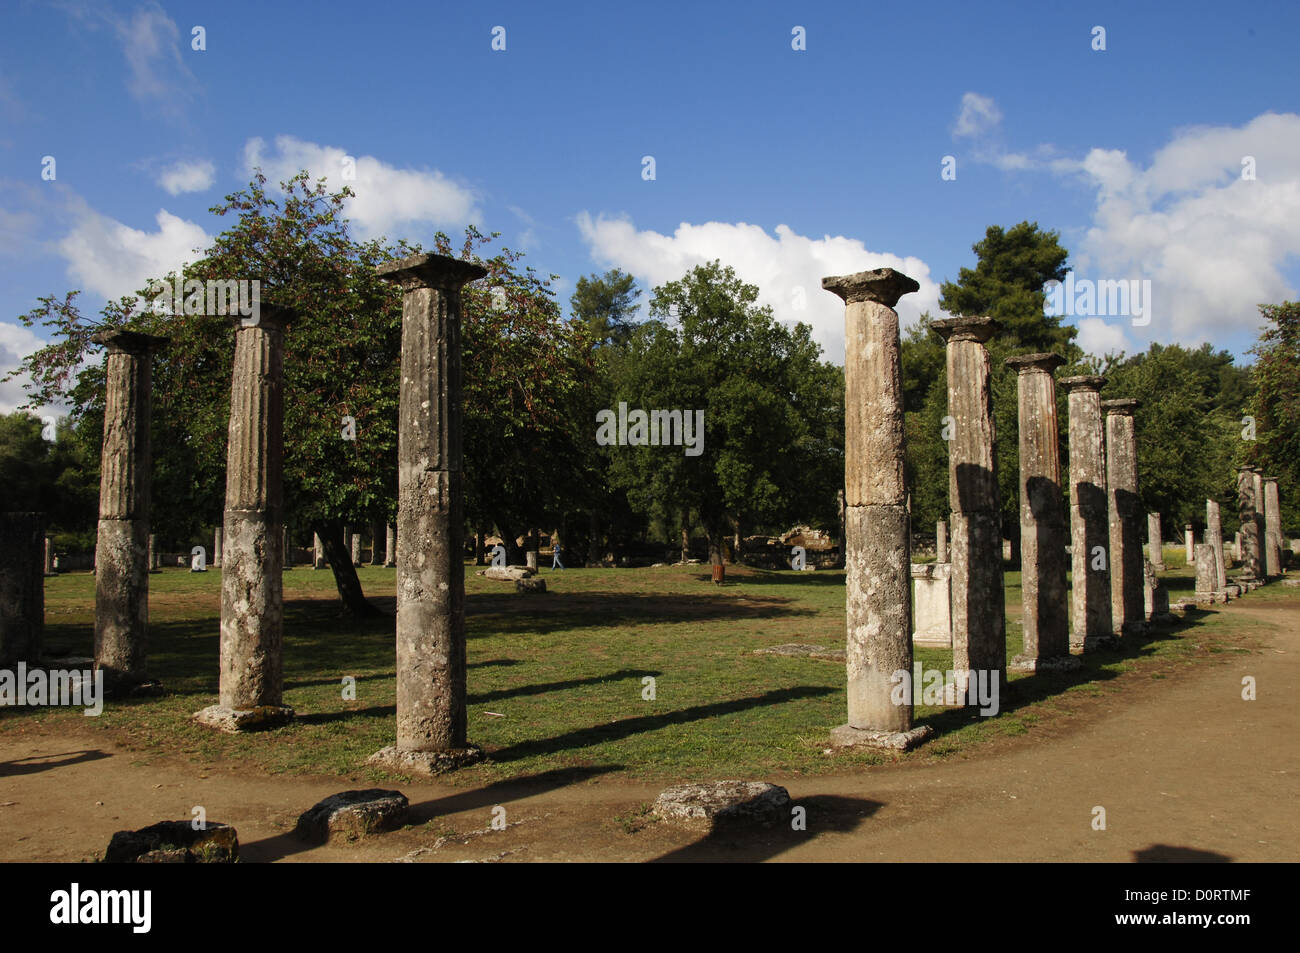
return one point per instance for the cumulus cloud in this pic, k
(786, 267)
(389, 201)
(110, 258)
(186, 176)
(1100, 338)
(1213, 244)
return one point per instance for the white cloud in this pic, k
(185, 176)
(787, 268)
(151, 43)
(1099, 338)
(978, 115)
(16, 342)
(1214, 245)
(112, 259)
(389, 201)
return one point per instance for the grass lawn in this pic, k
(556, 680)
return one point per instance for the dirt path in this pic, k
(1184, 767)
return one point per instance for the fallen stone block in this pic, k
(233, 720)
(174, 842)
(353, 813)
(714, 804)
(506, 573)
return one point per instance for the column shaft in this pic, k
(1089, 526)
(1125, 510)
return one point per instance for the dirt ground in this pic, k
(1183, 766)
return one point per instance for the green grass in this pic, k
(556, 680)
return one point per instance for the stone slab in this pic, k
(427, 763)
(846, 736)
(234, 720)
(174, 842)
(717, 803)
(353, 813)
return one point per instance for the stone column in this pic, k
(979, 640)
(1155, 542)
(1126, 575)
(153, 557)
(1272, 528)
(122, 546)
(354, 543)
(252, 609)
(390, 550)
(877, 528)
(1214, 536)
(1251, 551)
(941, 541)
(1042, 518)
(49, 555)
(1189, 543)
(1261, 534)
(22, 588)
(318, 552)
(1089, 529)
(216, 547)
(431, 717)
(1207, 576)
(376, 557)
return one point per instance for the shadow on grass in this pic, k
(769, 577)
(574, 611)
(615, 731)
(545, 687)
(42, 762)
(284, 845)
(827, 813)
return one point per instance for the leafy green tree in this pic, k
(606, 304)
(1275, 406)
(773, 412)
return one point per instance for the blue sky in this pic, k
(787, 164)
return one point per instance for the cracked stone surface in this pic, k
(363, 812)
(175, 842)
(715, 803)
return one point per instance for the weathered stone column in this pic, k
(390, 550)
(49, 555)
(1207, 577)
(1126, 579)
(431, 729)
(1042, 518)
(252, 609)
(1089, 524)
(22, 588)
(979, 639)
(376, 557)
(941, 541)
(318, 553)
(216, 547)
(877, 528)
(1252, 565)
(1214, 536)
(1189, 543)
(122, 545)
(1155, 542)
(1261, 534)
(1272, 528)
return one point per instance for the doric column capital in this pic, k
(965, 328)
(882, 285)
(430, 271)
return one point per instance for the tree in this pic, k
(772, 446)
(1275, 406)
(606, 304)
(1006, 284)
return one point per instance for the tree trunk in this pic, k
(736, 551)
(479, 559)
(686, 542)
(345, 574)
(594, 555)
(514, 555)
